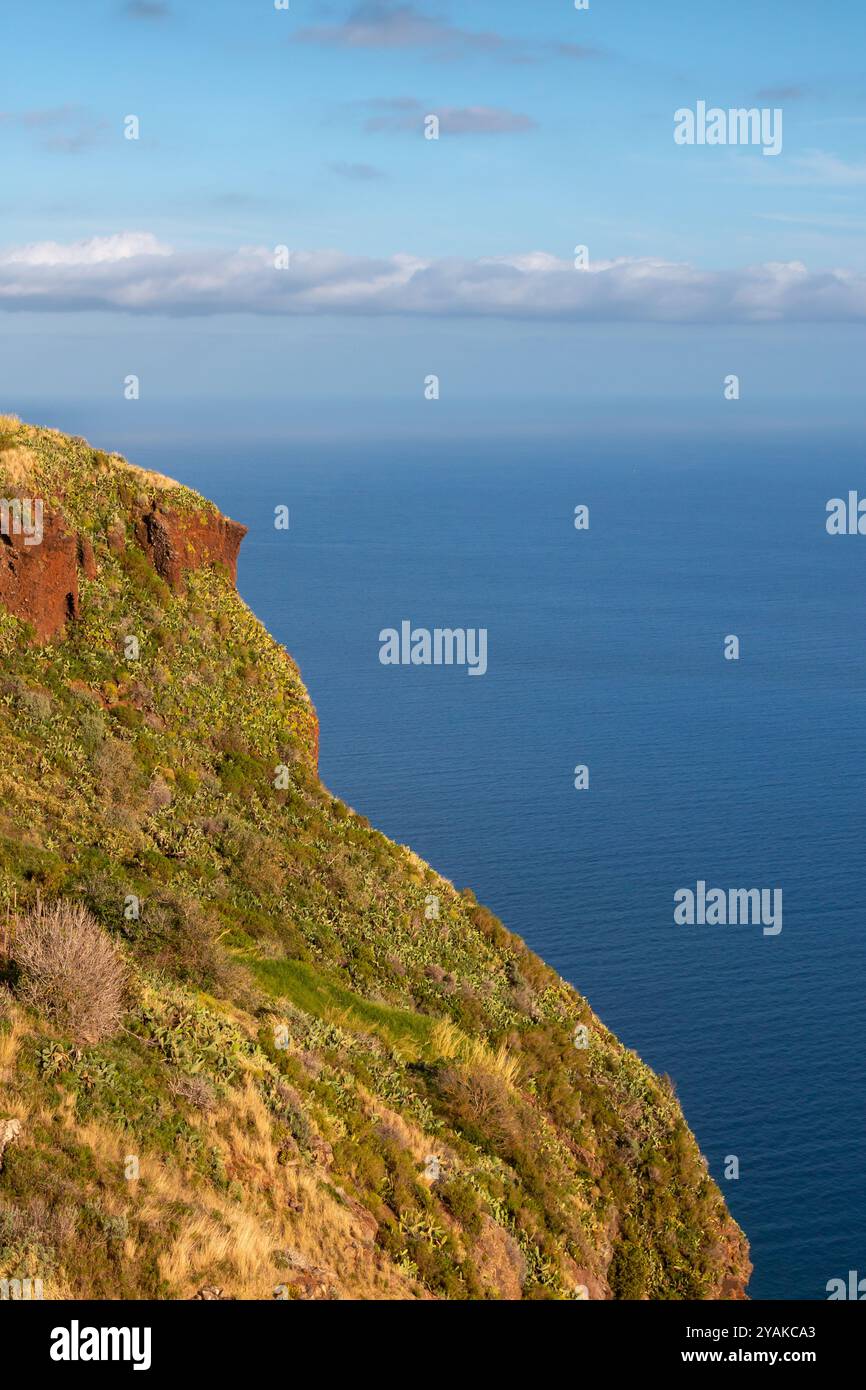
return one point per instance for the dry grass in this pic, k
(207, 1237)
(447, 1041)
(158, 481)
(10, 1041)
(17, 465)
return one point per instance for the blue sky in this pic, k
(304, 128)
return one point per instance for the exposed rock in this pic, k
(39, 583)
(307, 1281)
(177, 542)
(86, 558)
(739, 1266)
(313, 1285)
(292, 1259)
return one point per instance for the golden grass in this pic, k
(147, 477)
(9, 1043)
(17, 459)
(16, 465)
(210, 1238)
(447, 1041)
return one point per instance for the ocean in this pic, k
(606, 649)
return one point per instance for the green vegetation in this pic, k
(311, 990)
(335, 1073)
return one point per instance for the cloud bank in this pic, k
(133, 272)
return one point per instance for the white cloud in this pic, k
(96, 251)
(134, 272)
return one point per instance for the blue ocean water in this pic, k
(606, 648)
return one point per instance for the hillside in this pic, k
(334, 1075)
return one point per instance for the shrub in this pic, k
(177, 935)
(629, 1269)
(478, 1103)
(70, 970)
(197, 1091)
(462, 1202)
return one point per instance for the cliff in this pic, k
(334, 1074)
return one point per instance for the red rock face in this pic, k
(177, 543)
(86, 558)
(39, 583)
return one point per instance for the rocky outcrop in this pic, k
(86, 558)
(177, 542)
(39, 582)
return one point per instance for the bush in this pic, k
(629, 1269)
(197, 1091)
(478, 1103)
(176, 934)
(70, 970)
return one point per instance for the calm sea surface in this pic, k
(606, 648)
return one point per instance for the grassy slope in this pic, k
(335, 1034)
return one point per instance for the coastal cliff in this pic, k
(328, 1073)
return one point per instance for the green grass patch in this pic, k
(322, 995)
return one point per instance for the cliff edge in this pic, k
(328, 1073)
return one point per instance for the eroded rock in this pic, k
(39, 582)
(177, 542)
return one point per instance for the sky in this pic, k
(304, 128)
